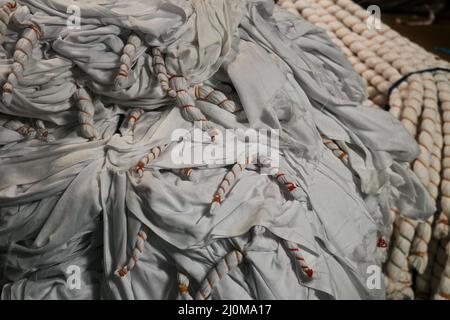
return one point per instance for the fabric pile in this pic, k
(89, 180)
(414, 85)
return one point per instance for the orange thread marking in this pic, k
(222, 102)
(21, 50)
(134, 118)
(141, 165)
(183, 288)
(410, 120)
(217, 198)
(197, 91)
(126, 53)
(29, 40)
(35, 29)
(444, 295)
(141, 236)
(82, 111)
(131, 44)
(421, 162)
(157, 53)
(208, 95)
(343, 155)
(175, 76)
(425, 147)
(83, 98)
(429, 118)
(21, 64)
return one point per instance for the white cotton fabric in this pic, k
(70, 201)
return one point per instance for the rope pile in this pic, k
(414, 85)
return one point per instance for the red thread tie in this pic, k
(382, 243)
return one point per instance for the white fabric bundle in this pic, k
(382, 57)
(123, 204)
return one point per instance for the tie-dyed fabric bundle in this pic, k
(95, 202)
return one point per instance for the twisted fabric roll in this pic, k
(88, 179)
(154, 153)
(443, 290)
(423, 280)
(418, 257)
(86, 113)
(22, 55)
(159, 68)
(183, 287)
(339, 24)
(223, 268)
(431, 145)
(187, 105)
(436, 156)
(133, 116)
(176, 87)
(443, 86)
(439, 265)
(441, 228)
(24, 129)
(5, 15)
(128, 55)
(423, 162)
(290, 186)
(236, 171)
(397, 268)
(296, 254)
(206, 93)
(226, 185)
(337, 151)
(137, 252)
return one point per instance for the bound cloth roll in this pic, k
(414, 85)
(217, 149)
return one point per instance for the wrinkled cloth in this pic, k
(71, 201)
